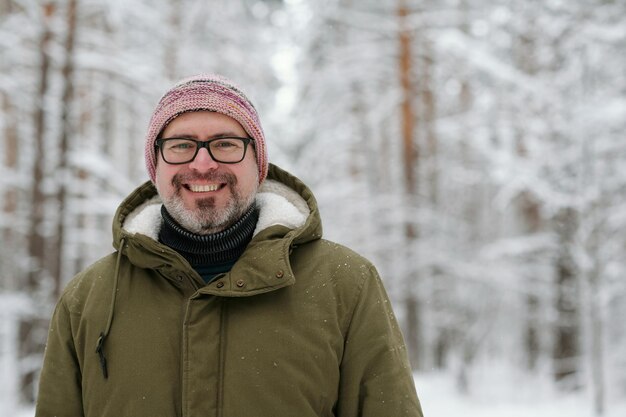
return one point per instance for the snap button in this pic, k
(280, 273)
(219, 284)
(240, 283)
(179, 278)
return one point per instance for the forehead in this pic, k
(203, 122)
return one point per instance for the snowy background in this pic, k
(475, 150)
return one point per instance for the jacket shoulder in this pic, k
(337, 256)
(325, 262)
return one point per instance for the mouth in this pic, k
(204, 188)
(203, 184)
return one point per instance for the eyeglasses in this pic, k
(226, 150)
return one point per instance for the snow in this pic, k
(500, 399)
(455, 41)
(24, 412)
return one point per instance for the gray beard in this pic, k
(204, 218)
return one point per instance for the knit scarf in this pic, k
(206, 250)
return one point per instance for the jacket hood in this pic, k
(286, 207)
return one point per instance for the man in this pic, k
(222, 299)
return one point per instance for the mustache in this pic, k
(229, 179)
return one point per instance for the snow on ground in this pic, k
(440, 398)
(25, 412)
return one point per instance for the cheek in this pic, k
(251, 177)
(163, 180)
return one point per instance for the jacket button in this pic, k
(179, 278)
(219, 284)
(241, 283)
(280, 273)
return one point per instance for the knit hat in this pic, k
(210, 92)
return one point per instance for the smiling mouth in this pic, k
(203, 188)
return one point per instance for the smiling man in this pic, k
(222, 299)
(206, 188)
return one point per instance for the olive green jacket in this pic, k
(300, 327)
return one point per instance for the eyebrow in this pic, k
(215, 136)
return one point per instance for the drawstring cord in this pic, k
(105, 333)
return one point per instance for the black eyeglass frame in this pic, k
(204, 144)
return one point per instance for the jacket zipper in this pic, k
(183, 348)
(222, 357)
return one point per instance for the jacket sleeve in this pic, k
(376, 378)
(60, 391)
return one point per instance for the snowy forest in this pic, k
(470, 148)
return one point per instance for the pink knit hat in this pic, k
(206, 92)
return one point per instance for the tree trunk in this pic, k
(566, 345)
(10, 196)
(39, 273)
(410, 159)
(36, 237)
(525, 57)
(174, 42)
(63, 170)
(597, 345)
(531, 218)
(429, 115)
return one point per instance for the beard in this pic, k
(205, 218)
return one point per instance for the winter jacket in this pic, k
(300, 327)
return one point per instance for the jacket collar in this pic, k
(278, 205)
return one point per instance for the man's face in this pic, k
(205, 196)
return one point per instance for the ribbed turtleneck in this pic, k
(214, 249)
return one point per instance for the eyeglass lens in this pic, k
(182, 150)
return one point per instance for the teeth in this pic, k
(197, 188)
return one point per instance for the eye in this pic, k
(180, 145)
(225, 144)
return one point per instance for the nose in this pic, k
(203, 161)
